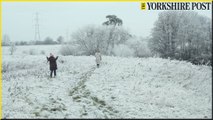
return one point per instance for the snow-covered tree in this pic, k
(60, 39)
(90, 38)
(123, 50)
(140, 46)
(113, 20)
(182, 35)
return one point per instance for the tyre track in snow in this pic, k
(90, 103)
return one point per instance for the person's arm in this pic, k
(56, 58)
(47, 59)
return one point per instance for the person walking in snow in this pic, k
(53, 64)
(98, 58)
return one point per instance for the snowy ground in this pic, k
(120, 88)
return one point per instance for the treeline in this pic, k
(111, 38)
(47, 41)
(181, 35)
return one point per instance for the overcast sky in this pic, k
(58, 18)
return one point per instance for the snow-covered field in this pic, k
(120, 88)
(33, 50)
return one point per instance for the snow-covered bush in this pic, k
(69, 50)
(15, 66)
(140, 47)
(123, 51)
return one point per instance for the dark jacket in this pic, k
(52, 61)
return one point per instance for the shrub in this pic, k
(123, 51)
(69, 50)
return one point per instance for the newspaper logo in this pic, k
(143, 6)
(176, 6)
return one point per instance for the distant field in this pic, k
(36, 49)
